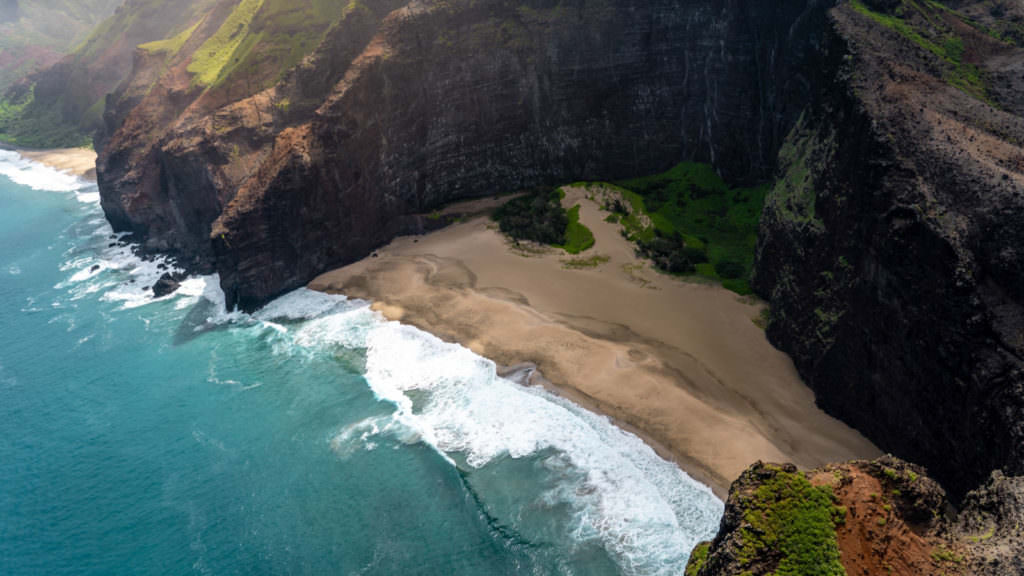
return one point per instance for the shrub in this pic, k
(730, 269)
(692, 200)
(669, 253)
(537, 216)
(617, 207)
(695, 255)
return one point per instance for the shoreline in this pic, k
(687, 464)
(80, 162)
(680, 364)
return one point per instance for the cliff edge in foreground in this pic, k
(863, 518)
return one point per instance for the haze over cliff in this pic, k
(269, 141)
(34, 35)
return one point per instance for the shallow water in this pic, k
(141, 436)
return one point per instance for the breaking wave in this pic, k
(645, 512)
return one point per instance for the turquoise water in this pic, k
(167, 437)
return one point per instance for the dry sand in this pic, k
(77, 161)
(680, 363)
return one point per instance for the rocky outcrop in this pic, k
(174, 151)
(168, 283)
(863, 518)
(404, 106)
(890, 249)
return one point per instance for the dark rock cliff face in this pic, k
(890, 249)
(410, 105)
(879, 517)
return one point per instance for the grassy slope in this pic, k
(22, 124)
(923, 23)
(262, 39)
(578, 237)
(788, 527)
(693, 201)
(215, 54)
(170, 46)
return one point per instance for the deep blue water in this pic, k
(167, 437)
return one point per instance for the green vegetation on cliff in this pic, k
(24, 123)
(697, 559)
(35, 36)
(796, 520)
(170, 46)
(250, 49)
(64, 105)
(215, 54)
(923, 22)
(262, 39)
(793, 196)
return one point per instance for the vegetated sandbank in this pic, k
(681, 363)
(79, 162)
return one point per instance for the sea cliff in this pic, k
(889, 248)
(271, 176)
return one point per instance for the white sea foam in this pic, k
(132, 287)
(300, 305)
(645, 511)
(123, 276)
(39, 176)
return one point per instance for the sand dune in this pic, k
(680, 363)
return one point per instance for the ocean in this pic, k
(166, 436)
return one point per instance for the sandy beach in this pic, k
(77, 161)
(680, 363)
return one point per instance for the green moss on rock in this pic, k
(788, 518)
(793, 197)
(698, 558)
(921, 22)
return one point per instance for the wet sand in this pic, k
(77, 161)
(680, 363)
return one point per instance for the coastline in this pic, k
(79, 162)
(681, 364)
